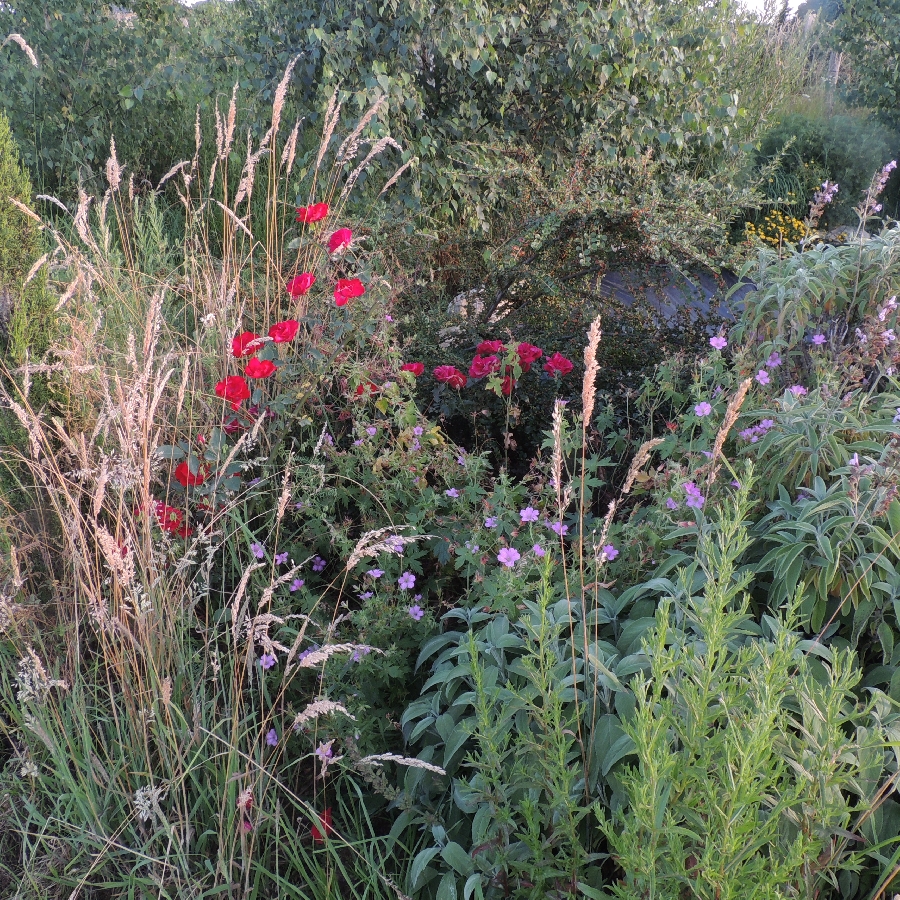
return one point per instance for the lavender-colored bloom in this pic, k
(318, 564)
(358, 442)
(417, 598)
(490, 522)
(766, 424)
(538, 550)
(388, 318)
(610, 551)
(371, 431)
(718, 342)
(798, 390)
(416, 612)
(735, 484)
(461, 460)
(702, 409)
(896, 418)
(253, 482)
(360, 653)
(375, 573)
(272, 737)
(472, 548)
(762, 376)
(406, 581)
(854, 460)
(417, 431)
(368, 595)
(509, 556)
(529, 514)
(560, 529)
(818, 339)
(774, 360)
(416, 445)
(310, 649)
(258, 550)
(296, 584)
(299, 504)
(267, 660)
(281, 558)
(328, 439)
(695, 498)
(324, 752)
(889, 335)
(451, 492)
(671, 504)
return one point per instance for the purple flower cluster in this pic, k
(318, 564)
(695, 498)
(754, 433)
(827, 194)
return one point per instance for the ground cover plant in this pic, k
(311, 586)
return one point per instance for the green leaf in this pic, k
(455, 856)
(423, 857)
(447, 888)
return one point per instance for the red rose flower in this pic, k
(450, 375)
(184, 476)
(245, 344)
(416, 368)
(361, 389)
(232, 427)
(528, 354)
(259, 368)
(558, 365)
(507, 385)
(170, 518)
(234, 389)
(324, 824)
(300, 284)
(486, 348)
(340, 239)
(312, 213)
(282, 332)
(483, 365)
(346, 288)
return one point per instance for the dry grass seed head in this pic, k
(589, 384)
(332, 113)
(731, 415)
(320, 708)
(23, 44)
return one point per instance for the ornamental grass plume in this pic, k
(732, 412)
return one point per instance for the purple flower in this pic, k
(296, 584)
(281, 558)
(318, 564)
(889, 335)
(451, 492)
(360, 653)
(310, 649)
(461, 460)
(258, 550)
(529, 514)
(253, 482)
(299, 504)
(818, 339)
(328, 439)
(416, 446)
(718, 342)
(324, 752)
(798, 390)
(388, 318)
(766, 424)
(854, 460)
(358, 443)
(267, 660)
(368, 595)
(560, 529)
(416, 612)
(509, 556)
(417, 598)
(375, 573)
(272, 737)
(671, 504)
(702, 409)
(472, 548)
(538, 550)
(417, 431)
(896, 418)
(736, 484)
(371, 431)
(610, 551)
(762, 376)
(774, 360)
(695, 499)
(407, 581)
(490, 522)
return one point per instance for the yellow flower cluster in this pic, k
(777, 229)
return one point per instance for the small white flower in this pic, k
(147, 800)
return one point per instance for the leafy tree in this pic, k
(869, 32)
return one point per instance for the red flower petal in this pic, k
(245, 344)
(234, 389)
(450, 375)
(259, 368)
(341, 238)
(300, 284)
(416, 368)
(346, 289)
(312, 213)
(186, 478)
(282, 332)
